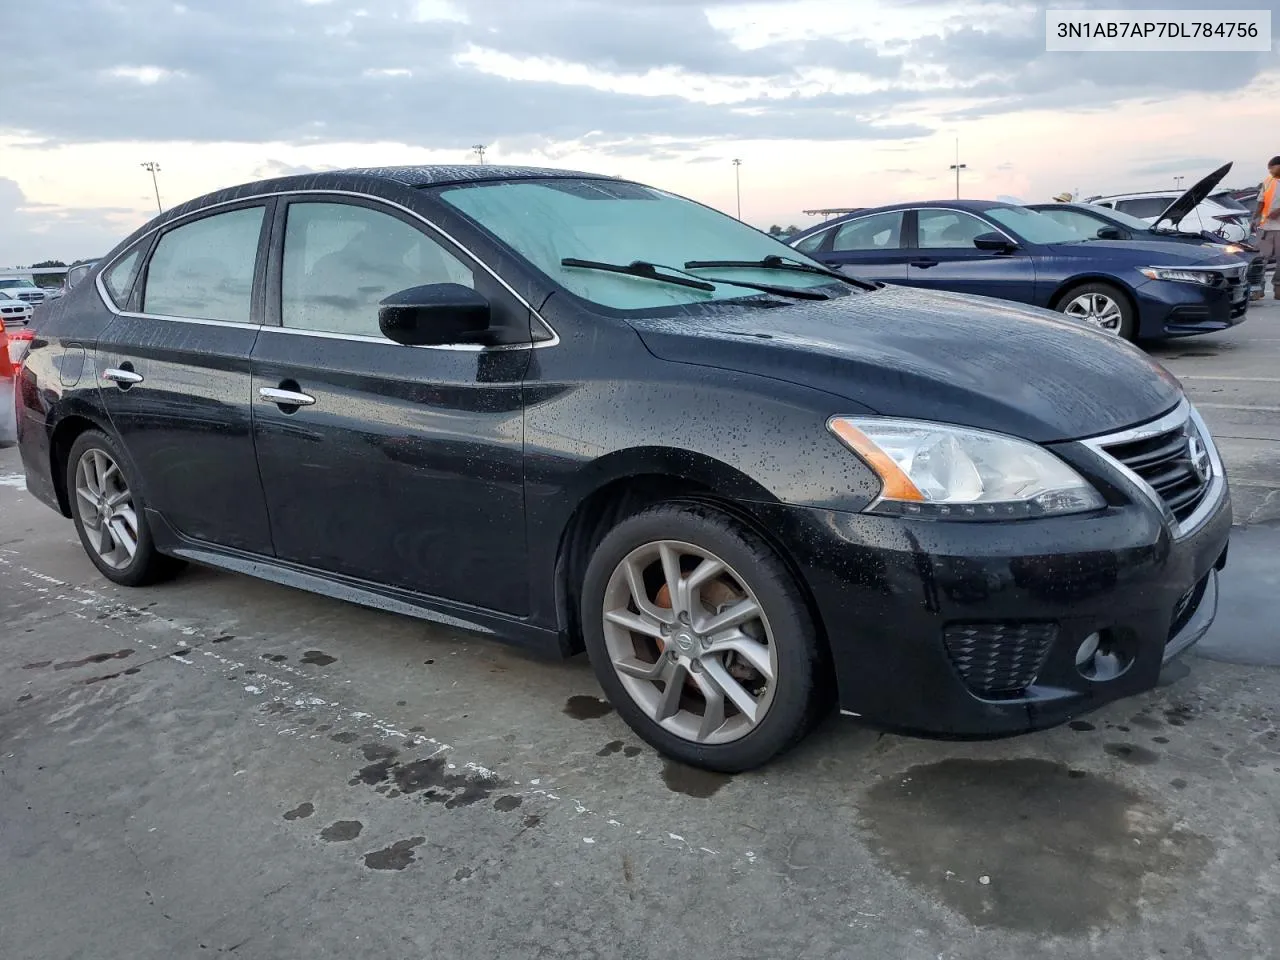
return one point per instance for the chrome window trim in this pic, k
(1175, 418)
(460, 347)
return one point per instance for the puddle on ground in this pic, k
(300, 812)
(1062, 851)
(395, 857)
(341, 831)
(587, 708)
(691, 781)
(93, 658)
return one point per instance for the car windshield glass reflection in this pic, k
(553, 221)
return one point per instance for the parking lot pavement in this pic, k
(219, 764)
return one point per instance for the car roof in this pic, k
(968, 206)
(432, 175)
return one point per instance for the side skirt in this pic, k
(510, 630)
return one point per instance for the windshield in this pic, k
(12, 283)
(616, 222)
(1032, 226)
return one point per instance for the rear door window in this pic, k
(204, 270)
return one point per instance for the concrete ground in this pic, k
(220, 765)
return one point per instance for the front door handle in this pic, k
(285, 398)
(924, 264)
(123, 378)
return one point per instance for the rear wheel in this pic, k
(1100, 305)
(109, 514)
(700, 638)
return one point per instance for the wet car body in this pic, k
(475, 484)
(1042, 274)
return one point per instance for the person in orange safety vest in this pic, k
(1268, 221)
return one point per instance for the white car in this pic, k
(1198, 209)
(21, 288)
(14, 312)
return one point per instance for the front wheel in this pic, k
(1103, 306)
(700, 638)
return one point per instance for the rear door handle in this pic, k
(923, 264)
(124, 378)
(285, 398)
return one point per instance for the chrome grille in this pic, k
(1171, 458)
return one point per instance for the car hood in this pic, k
(1143, 252)
(1193, 197)
(944, 357)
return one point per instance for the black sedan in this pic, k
(1092, 222)
(1001, 250)
(579, 413)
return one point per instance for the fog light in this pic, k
(1101, 658)
(1088, 649)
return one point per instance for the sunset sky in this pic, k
(827, 102)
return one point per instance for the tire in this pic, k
(107, 470)
(1079, 302)
(783, 640)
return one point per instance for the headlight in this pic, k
(938, 471)
(1206, 277)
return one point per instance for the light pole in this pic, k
(479, 148)
(957, 167)
(737, 183)
(153, 168)
(1177, 182)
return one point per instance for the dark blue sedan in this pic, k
(1138, 291)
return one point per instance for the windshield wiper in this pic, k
(775, 262)
(649, 271)
(637, 268)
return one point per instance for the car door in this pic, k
(869, 247)
(943, 257)
(398, 465)
(173, 371)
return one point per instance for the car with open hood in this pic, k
(996, 249)
(1197, 209)
(582, 414)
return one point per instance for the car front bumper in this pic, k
(919, 615)
(1168, 308)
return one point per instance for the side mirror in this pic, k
(1110, 233)
(434, 315)
(994, 242)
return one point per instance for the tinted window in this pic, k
(883, 231)
(340, 260)
(1145, 207)
(1228, 201)
(949, 229)
(810, 244)
(77, 273)
(118, 279)
(204, 269)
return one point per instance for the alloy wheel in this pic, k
(1097, 310)
(105, 507)
(690, 642)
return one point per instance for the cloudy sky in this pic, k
(826, 102)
